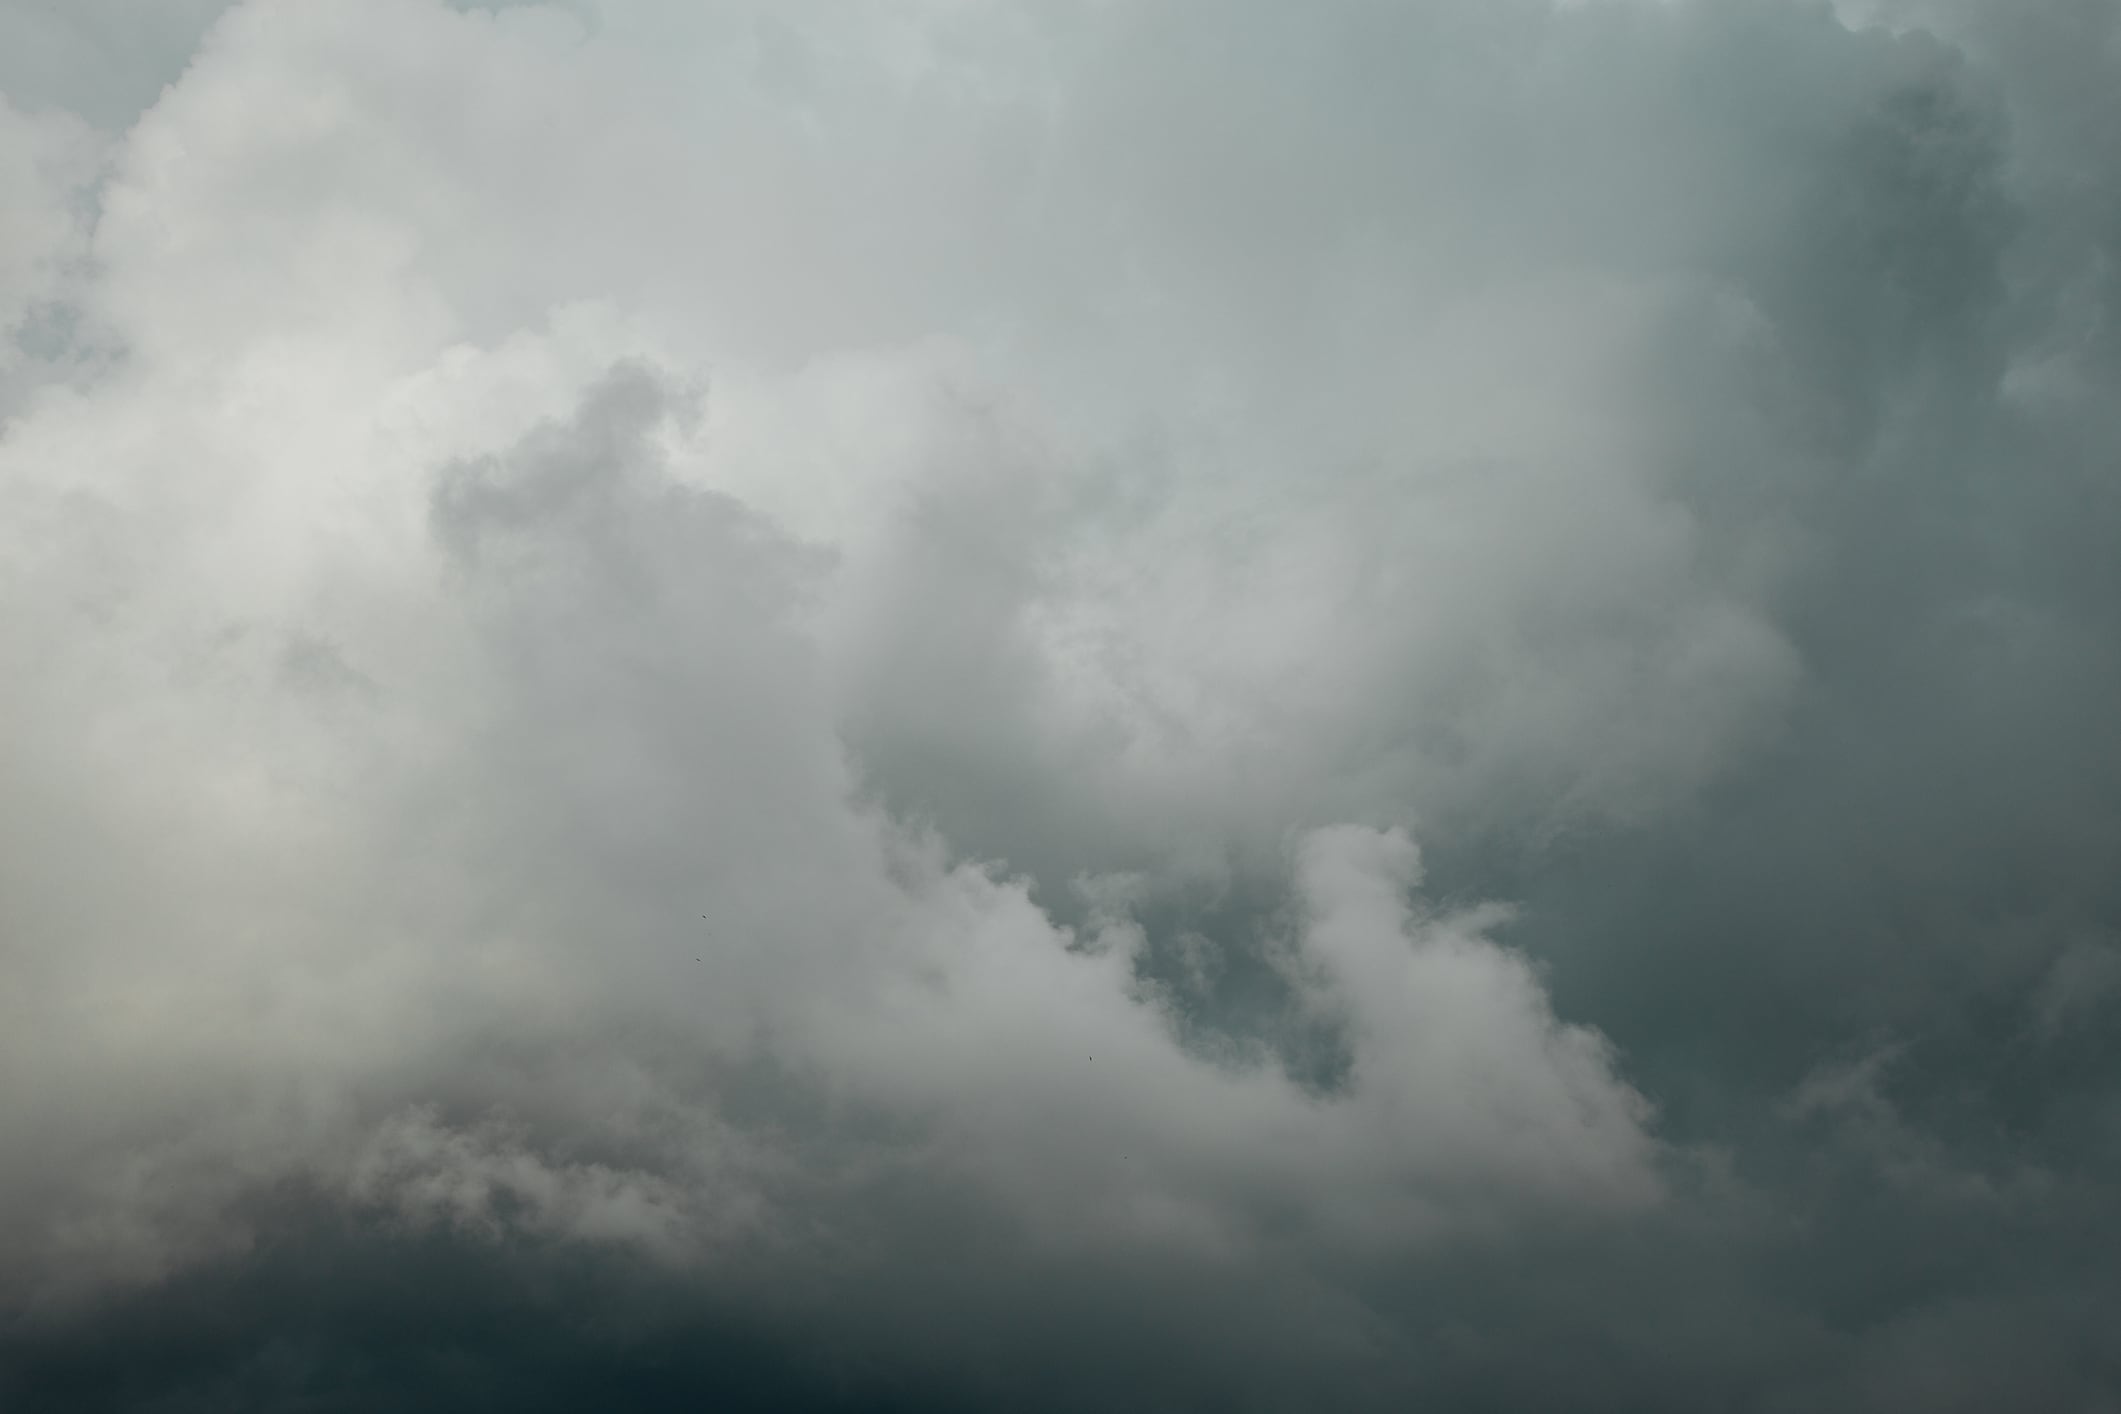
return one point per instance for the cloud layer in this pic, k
(1141, 705)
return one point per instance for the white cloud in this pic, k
(809, 640)
(419, 673)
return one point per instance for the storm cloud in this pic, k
(1022, 704)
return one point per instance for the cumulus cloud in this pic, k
(603, 805)
(1146, 705)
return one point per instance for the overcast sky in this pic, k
(1060, 705)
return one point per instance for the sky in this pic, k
(1060, 705)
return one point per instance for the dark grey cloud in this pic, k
(1150, 706)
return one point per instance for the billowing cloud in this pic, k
(1149, 705)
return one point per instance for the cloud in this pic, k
(780, 664)
(619, 819)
